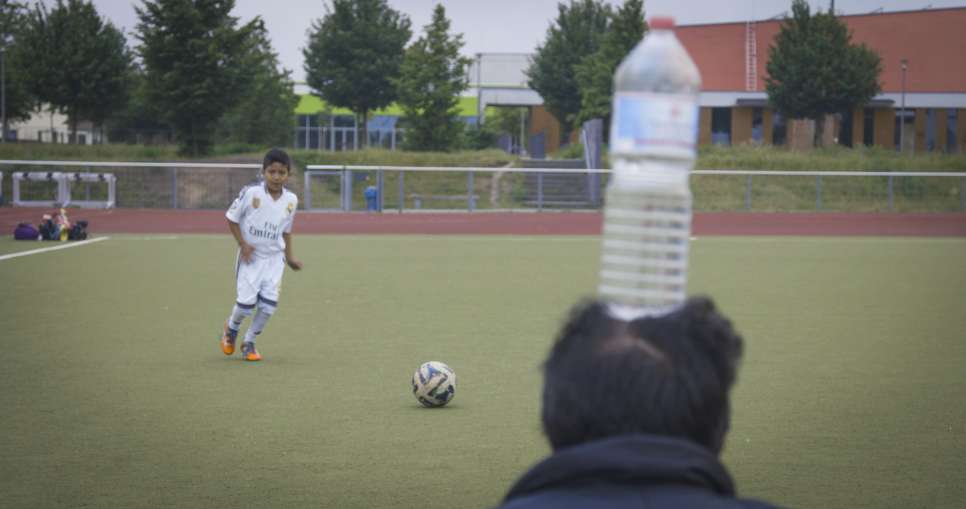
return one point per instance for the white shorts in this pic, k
(259, 279)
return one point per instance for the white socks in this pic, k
(261, 317)
(238, 315)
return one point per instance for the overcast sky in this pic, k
(497, 26)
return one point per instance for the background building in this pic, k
(46, 126)
(925, 98)
(734, 106)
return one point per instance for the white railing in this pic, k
(214, 185)
(344, 173)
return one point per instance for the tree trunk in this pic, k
(73, 129)
(819, 138)
(364, 143)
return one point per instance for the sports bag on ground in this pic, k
(25, 231)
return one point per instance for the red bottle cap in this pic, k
(662, 23)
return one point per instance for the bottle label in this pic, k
(646, 123)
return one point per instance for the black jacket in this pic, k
(628, 471)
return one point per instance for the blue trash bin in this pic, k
(372, 198)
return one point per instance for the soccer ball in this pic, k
(434, 384)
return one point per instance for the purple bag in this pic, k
(25, 231)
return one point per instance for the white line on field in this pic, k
(55, 248)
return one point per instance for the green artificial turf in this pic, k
(116, 393)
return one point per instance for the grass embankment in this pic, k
(838, 158)
(852, 194)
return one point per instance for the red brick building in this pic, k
(732, 58)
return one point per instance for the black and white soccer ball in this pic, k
(434, 384)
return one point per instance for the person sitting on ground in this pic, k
(636, 412)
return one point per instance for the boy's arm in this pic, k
(246, 248)
(292, 262)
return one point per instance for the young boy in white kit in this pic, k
(260, 219)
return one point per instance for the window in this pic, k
(931, 119)
(950, 130)
(344, 121)
(757, 123)
(868, 127)
(721, 126)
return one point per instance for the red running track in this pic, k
(508, 223)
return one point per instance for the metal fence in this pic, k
(412, 189)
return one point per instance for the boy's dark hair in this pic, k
(277, 155)
(667, 375)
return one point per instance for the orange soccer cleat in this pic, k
(249, 352)
(228, 340)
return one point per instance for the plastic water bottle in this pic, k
(647, 212)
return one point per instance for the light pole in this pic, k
(903, 64)
(479, 90)
(3, 93)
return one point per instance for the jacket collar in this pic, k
(632, 459)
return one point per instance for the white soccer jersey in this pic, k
(264, 219)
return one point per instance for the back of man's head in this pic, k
(667, 375)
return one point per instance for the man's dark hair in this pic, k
(277, 155)
(667, 375)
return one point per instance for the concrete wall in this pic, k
(704, 127)
(741, 119)
(885, 127)
(800, 134)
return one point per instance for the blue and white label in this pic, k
(646, 123)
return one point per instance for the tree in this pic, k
(140, 121)
(354, 54)
(75, 61)
(264, 115)
(193, 53)
(573, 36)
(815, 70)
(595, 73)
(18, 99)
(431, 79)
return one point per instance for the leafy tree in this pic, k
(354, 54)
(19, 101)
(573, 36)
(264, 114)
(595, 73)
(506, 119)
(75, 61)
(139, 121)
(432, 77)
(193, 53)
(479, 137)
(815, 70)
